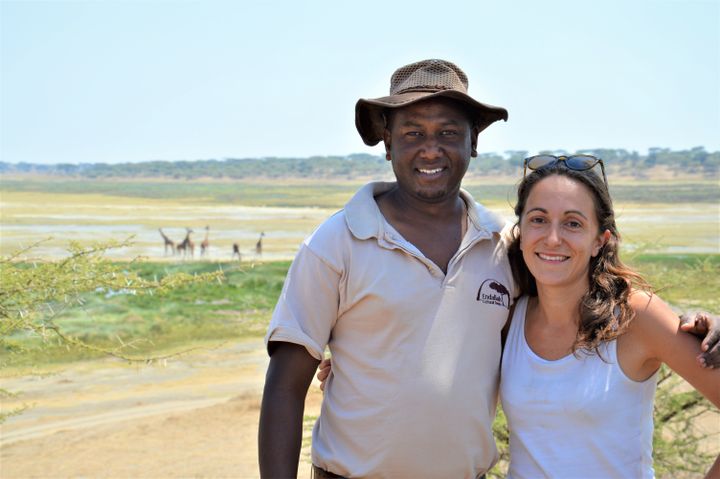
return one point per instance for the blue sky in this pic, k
(115, 81)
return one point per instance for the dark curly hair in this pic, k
(604, 311)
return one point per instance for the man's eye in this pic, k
(413, 133)
(448, 133)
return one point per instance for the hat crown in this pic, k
(430, 76)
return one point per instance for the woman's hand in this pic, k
(324, 370)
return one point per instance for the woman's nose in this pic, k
(553, 237)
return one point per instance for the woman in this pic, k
(586, 338)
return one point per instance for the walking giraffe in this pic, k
(258, 245)
(236, 251)
(205, 243)
(169, 244)
(187, 245)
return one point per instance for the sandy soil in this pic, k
(195, 417)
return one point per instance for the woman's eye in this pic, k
(537, 219)
(574, 224)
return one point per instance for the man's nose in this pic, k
(432, 148)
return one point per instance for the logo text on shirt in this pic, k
(494, 292)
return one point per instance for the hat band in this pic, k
(425, 88)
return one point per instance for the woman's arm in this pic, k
(656, 335)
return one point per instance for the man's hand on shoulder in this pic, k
(705, 326)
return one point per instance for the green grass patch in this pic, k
(687, 281)
(241, 306)
(238, 307)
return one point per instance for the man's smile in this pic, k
(430, 171)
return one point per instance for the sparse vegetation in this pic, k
(621, 162)
(51, 311)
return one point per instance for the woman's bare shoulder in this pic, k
(651, 311)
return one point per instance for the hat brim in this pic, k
(369, 112)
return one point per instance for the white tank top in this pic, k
(575, 417)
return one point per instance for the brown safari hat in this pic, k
(420, 81)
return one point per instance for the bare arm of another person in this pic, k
(706, 326)
(281, 416)
(656, 338)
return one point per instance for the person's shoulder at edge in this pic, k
(486, 219)
(494, 223)
(329, 241)
(358, 219)
(502, 234)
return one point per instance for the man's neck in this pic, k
(396, 203)
(435, 228)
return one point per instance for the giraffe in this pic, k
(169, 244)
(187, 245)
(205, 243)
(236, 251)
(258, 245)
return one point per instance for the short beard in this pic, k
(432, 197)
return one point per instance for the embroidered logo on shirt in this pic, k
(493, 292)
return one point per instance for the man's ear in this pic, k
(386, 141)
(474, 132)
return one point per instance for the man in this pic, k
(409, 286)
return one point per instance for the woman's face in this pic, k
(559, 232)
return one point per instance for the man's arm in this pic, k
(281, 416)
(707, 327)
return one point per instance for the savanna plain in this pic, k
(184, 401)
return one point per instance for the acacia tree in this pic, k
(34, 293)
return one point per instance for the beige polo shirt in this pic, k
(416, 352)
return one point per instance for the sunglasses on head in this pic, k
(572, 162)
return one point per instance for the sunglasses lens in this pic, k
(540, 161)
(581, 163)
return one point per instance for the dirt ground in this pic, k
(195, 417)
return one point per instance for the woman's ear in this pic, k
(602, 241)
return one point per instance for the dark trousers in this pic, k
(318, 473)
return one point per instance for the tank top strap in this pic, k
(517, 326)
(516, 333)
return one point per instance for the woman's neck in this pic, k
(559, 305)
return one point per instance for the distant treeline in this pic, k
(695, 161)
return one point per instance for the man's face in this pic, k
(430, 144)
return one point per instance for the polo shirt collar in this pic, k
(365, 221)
